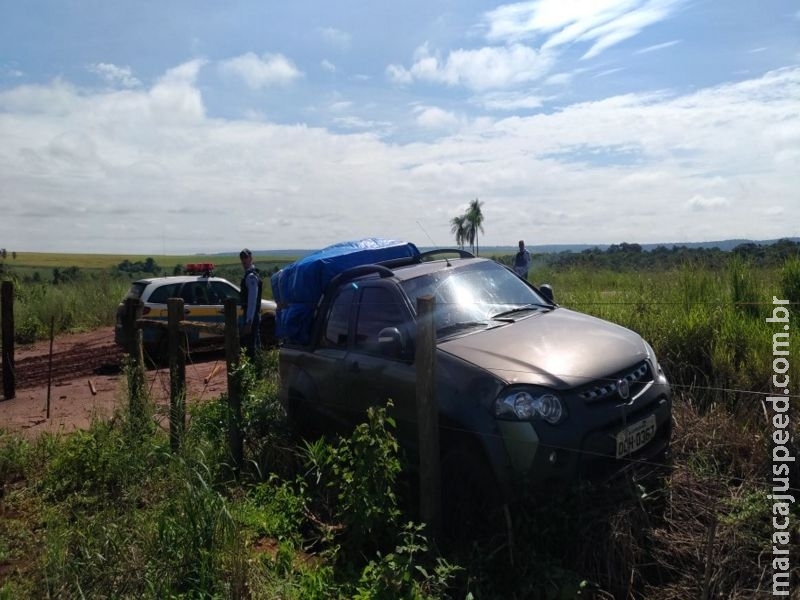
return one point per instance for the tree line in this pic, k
(633, 257)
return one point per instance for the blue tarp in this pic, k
(298, 287)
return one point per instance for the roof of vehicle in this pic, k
(409, 271)
(179, 279)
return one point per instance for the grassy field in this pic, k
(113, 513)
(44, 260)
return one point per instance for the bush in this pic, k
(790, 282)
(354, 481)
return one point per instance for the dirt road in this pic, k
(86, 382)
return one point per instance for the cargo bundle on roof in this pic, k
(298, 287)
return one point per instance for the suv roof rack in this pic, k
(413, 260)
(354, 272)
(461, 253)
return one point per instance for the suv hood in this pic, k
(559, 348)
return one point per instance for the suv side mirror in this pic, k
(547, 291)
(391, 342)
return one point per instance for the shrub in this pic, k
(790, 282)
(354, 481)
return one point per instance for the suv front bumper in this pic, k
(584, 447)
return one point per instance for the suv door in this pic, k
(371, 378)
(325, 366)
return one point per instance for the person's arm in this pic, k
(252, 297)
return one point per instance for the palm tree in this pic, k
(474, 222)
(458, 227)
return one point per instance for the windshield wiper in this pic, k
(526, 307)
(444, 329)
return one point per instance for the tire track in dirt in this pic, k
(78, 361)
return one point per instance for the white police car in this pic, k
(204, 299)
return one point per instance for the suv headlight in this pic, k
(530, 404)
(654, 361)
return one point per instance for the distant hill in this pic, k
(725, 245)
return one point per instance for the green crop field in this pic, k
(45, 260)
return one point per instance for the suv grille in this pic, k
(637, 377)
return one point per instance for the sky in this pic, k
(198, 126)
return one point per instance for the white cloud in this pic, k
(658, 47)
(123, 170)
(10, 70)
(559, 79)
(328, 66)
(432, 117)
(627, 25)
(608, 72)
(336, 37)
(260, 72)
(381, 128)
(479, 69)
(701, 203)
(509, 101)
(174, 96)
(115, 75)
(561, 22)
(399, 74)
(340, 105)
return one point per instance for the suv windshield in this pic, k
(474, 294)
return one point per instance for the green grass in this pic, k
(111, 512)
(45, 260)
(707, 327)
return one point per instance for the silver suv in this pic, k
(527, 390)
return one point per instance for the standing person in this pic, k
(522, 261)
(250, 297)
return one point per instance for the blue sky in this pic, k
(195, 126)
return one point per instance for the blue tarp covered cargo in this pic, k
(298, 287)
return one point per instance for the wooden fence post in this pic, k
(132, 337)
(50, 363)
(428, 416)
(177, 372)
(232, 349)
(7, 325)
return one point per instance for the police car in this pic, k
(204, 298)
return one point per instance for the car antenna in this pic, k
(435, 245)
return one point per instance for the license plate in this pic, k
(637, 435)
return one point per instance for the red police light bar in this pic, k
(199, 268)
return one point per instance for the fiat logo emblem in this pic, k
(623, 389)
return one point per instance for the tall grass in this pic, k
(707, 327)
(82, 305)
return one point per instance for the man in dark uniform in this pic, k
(522, 261)
(251, 305)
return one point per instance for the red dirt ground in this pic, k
(86, 381)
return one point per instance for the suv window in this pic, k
(161, 293)
(377, 309)
(338, 320)
(136, 290)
